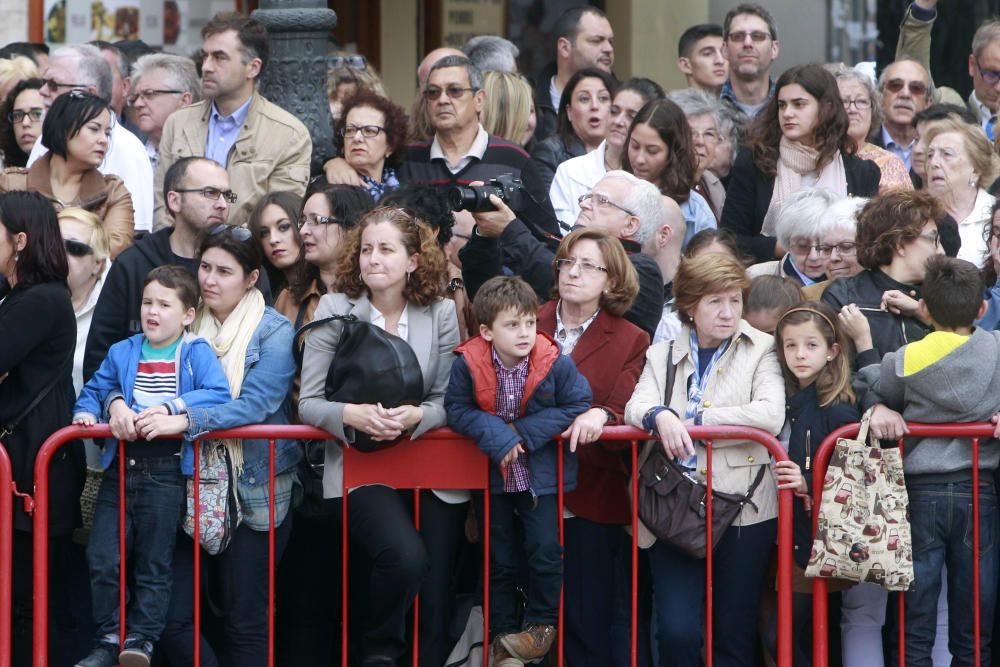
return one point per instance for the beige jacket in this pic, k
(272, 153)
(105, 196)
(746, 389)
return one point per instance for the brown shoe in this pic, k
(499, 657)
(532, 644)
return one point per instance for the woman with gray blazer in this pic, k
(392, 274)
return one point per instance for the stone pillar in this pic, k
(295, 77)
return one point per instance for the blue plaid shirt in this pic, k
(728, 95)
(510, 391)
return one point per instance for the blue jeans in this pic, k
(535, 542)
(941, 521)
(154, 499)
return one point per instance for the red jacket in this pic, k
(610, 354)
(478, 354)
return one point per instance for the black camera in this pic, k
(476, 198)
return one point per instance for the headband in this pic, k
(811, 311)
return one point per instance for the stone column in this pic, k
(295, 77)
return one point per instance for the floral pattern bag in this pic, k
(862, 531)
(219, 512)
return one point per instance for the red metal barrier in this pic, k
(6, 554)
(821, 461)
(411, 465)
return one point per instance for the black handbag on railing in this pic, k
(672, 501)
(370, 366)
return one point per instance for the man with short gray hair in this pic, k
(162, 84)
(491, 53)
(81, 67)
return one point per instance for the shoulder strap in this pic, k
(9, 427)
(297, 349)
(671, 375)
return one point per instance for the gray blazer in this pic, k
(432, 333)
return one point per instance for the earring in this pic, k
(408, 276)
(829, 359)
(17, 256)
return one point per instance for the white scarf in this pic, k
(794, 161)
(229, 341)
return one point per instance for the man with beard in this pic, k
(906, 90)
(750, 44)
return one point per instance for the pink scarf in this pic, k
(796, 160)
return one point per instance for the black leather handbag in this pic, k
(672, 501)
(370, 366)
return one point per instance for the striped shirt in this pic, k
(510, 391)
(156, 376)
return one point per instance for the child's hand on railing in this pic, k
(121, 419)
(789, 475)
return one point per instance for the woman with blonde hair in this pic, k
(347, 74)
(15, 70)
(509, 107)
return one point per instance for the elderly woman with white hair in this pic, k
(863, 105)
(837, 243)
(798, 228)
(704, 113)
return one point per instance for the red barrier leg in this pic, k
(635, 553)
(976, 630)
(343, 574)
(416, 600)
(710, 648)
(197, 553)
(562, 545)
(6, 556)
(121, 545)
(270, 556)
(486, 570)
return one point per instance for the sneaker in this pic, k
(138, 652)
(530, 645)
(500, 657)
(103, 655)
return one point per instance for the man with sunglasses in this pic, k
(81, 67)
(906, 91)
(750, 44)
(263, 147)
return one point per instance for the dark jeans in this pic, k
(154, 500)
(380, 523)
(537, 543)
(941, 522)
(740, 567)
(237, 579)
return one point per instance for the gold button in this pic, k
(704, 471)
(749, 459)
(707, 404)
(913, 293)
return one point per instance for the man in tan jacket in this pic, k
(263, 147)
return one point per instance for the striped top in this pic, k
(156, 377)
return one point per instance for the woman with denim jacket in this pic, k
(254, 344)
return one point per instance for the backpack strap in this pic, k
(297, 349)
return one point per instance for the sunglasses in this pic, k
(917, 88)
(236, 232)
(54, 85)
(756, 35)
(350, 62)
(454, 92)
(77, 248)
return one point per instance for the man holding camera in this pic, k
(625, 206)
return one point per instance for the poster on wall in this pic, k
(174, 25)
(462, 19)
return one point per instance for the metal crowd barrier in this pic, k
(822, 459)
(441, 459)
(6, 554)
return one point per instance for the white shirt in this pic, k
(554, 94)
(574, 177)
(476, 150)
(985, 113)
(126, 159)
(970, 230)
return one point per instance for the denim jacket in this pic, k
(263, 399)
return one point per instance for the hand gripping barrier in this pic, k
(822, 460)
(441, 459)
(6, 553)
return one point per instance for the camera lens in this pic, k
(461, 198)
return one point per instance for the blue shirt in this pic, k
(727, 94)
(223, 132)
(904, 152)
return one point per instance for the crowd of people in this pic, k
(777, 250)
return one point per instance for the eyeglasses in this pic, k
(756, 35)
(150, 95)
(602, 201)
(845, 249)
(238, 233)
(211, 193)
(860, 103)
(585, 266)
(350, 62)
(933, 238)
(54, 85)
(917, 88)
(367, 131)
(990, 77)
(77, 248)
(454, 92)
(316, 220)
(804, 247)
(708, 136)
(34, 114)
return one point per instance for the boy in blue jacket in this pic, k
(512, 391)
(160, 371)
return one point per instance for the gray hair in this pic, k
(695, 102)
(120, 60)
(91, 68)
(728, 121)
(491, 53)
(842, 72)
(475, 74)
(930, 80)
(645, 201)
(988, 32)
(802, 215)
(180, 71)
(842, 216)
